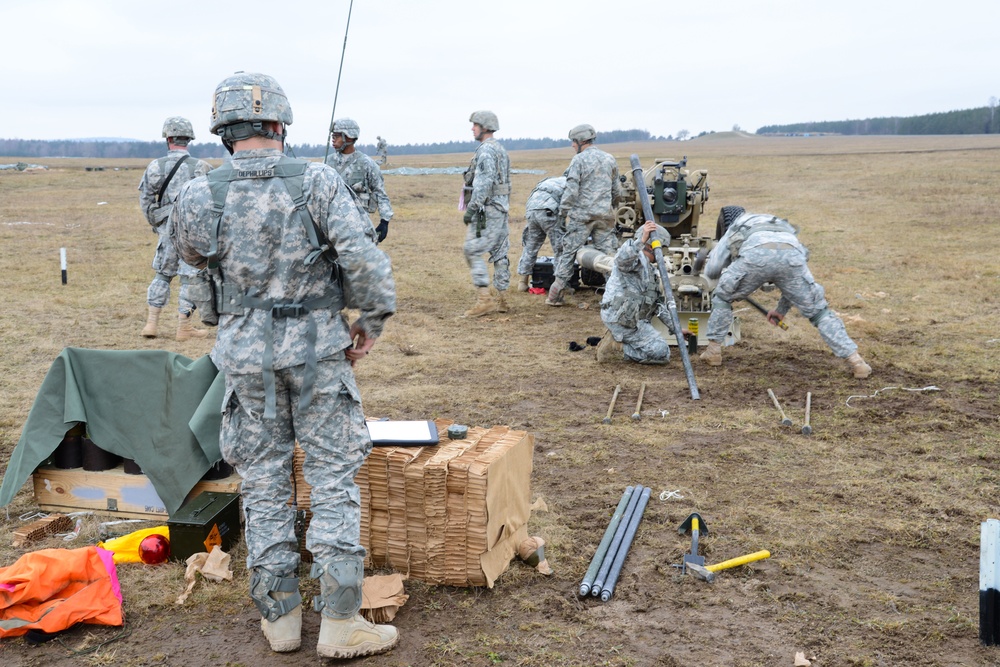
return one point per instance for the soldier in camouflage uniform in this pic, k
(382, 148)
(543, 219)
(487, 189)
(158, 189)
(287, 249)
(632, 297)
(360, 172)
(757, 249)
(591, 188)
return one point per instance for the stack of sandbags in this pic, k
(451, 513)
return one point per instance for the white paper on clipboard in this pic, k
(402, 433)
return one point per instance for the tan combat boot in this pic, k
(185, 330)
(859, 368)
(485, 303)
(555, 297)
(502, 306)
(152, 319)
(354, 637)
(523, 282)
(609, 349)
(284, 634)
(712, 354)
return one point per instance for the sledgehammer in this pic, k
(785, 421)
(708, 573)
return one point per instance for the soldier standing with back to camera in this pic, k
(761, 248)
(288, 248)
(487, 199)
(158, 189)
(591, 189)
(541, 213)
(360, 172)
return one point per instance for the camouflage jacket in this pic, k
(489, 177)
(632, 292)
(157, 212)
(262, 251)
(591, 185)
(747, 232)
(546, 196)
(365, 178)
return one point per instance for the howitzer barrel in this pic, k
(602, 548)
(591, 258)
(633, 526)
(647, 211)
(616, 541)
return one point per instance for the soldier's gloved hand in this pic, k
(774, 317)
(467, 218)
(382, 230)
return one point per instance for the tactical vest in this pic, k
(230, 299)
(497, 189)
(357, 179)
(163, 209)
(739, 235)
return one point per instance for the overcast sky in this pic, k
(415, 69)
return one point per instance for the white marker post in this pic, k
(62, 263)
(989, 583)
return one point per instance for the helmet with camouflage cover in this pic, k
(582, 133)
(659, 234)
(486, 120)
(178, 126)
(347, 127)
(248, 97)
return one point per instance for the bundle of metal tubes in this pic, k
(606, 566)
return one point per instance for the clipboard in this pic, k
(402, 433)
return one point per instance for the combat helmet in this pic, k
(486, 120)
(243, 102)
(349, 128)
(582, 133)
(178, 126)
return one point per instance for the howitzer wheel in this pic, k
(727, 216)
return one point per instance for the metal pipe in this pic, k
(609, 557)
(633, 526)
(602, 548)
(647, 211)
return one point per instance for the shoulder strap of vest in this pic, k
(166, 181)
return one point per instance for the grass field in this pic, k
(872, 521)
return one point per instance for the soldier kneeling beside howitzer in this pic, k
(632, 297)
(761, 248)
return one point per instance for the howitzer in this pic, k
(668, 290)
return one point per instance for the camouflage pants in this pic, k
(600, 230)
(540, 225)
(788, 270)
(493, 239)
(642, 344)
(168, 264)
(333, 435)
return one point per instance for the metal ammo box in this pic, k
(209, 519)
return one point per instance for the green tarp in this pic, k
(158, 408)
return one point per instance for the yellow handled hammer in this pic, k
(708, 573)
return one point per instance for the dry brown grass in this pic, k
(872, 522)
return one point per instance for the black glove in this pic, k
(382, 230)
(467, 218)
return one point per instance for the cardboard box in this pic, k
(114, 491)
(208, 520)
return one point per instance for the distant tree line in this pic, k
(981, 120)
(35, 148)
